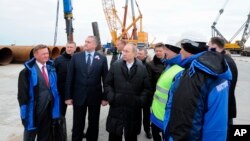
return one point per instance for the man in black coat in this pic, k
(61, 65)
(86, 72)
(156, 66)
(217, 44)
(127, 87)
(145, 58)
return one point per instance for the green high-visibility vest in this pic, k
(161, 94)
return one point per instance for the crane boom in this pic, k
(114, 23)
(111, 16)
(246, 32)
(215, 31)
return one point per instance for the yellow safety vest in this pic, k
(161, 94)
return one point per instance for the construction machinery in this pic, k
(119, 28)
(68, 16)
(239, 45)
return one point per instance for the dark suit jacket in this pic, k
(82, 86)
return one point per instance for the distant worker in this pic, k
(199, 96)
(127, 88)
(86, 73)
(118, 52)
(217, 44)
(162, 87)
(145, 58)
(38, 96)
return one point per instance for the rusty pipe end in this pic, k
(6, 55)
(62, 50)
(54, 52)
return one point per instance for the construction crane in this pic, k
(215, 31)
(119, 29)
(239, 45)
(246, 32)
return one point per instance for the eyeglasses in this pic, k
(187, 41)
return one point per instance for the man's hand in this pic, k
(69, 102)
(104, 102)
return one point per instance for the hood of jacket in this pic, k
(212, 63)
(185, 63)
(30, 63)
(174, 60)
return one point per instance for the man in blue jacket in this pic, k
(38, 96)
(198, 102)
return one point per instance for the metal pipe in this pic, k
(78, 49)
(62, 50)
(81, 48)
(54, 52)
(96, 34)
(6, 55)
(22, 53)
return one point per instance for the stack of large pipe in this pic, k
(54, 52)
(61, 49)
(24, 53)
(21, 53)
(6, 55)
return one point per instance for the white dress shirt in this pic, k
(129, 65)
(40, 67)
(91, 57)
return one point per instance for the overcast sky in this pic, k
(30, 22)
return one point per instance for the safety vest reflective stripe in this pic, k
(162, 100)
(162, 88)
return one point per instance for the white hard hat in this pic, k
(194, 36)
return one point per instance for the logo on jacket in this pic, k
(222, 86)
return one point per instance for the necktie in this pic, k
(120, 55)
(45, 76)
(88, 62)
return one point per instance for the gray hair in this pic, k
(144, 49)
(134, 47)
(71, 42)
(95, 39)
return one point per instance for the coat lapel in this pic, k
(82, 61)
(94, 62)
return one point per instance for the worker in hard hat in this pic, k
(161, 91)
(197, 105)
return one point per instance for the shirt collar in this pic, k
(40, 65)
(92, 53)
(130, 64)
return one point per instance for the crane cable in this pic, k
(138, 7)
(56, 26)
(237, 33)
